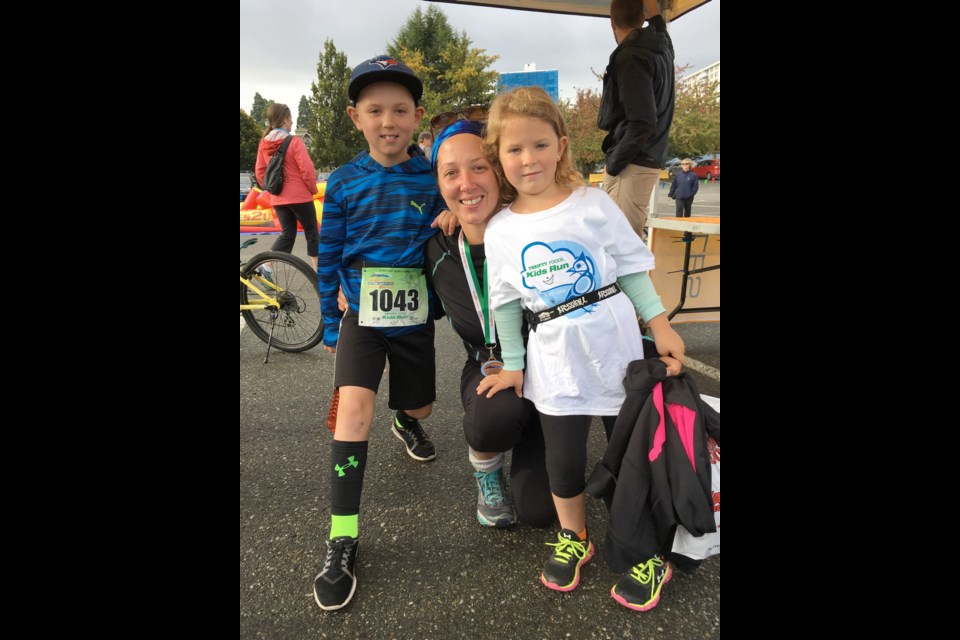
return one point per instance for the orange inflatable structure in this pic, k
(256, 211)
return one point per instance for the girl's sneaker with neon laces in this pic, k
(562, 571)
(640, 588)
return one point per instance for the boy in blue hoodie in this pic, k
(376, 220)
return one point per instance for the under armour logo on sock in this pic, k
(350, 463)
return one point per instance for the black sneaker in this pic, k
(334, 585)
(418, 444)
(640, 588)
(562, 571)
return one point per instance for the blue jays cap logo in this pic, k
(383, 62)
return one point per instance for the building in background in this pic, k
(530, 77)
(304, 135)
(709, 73)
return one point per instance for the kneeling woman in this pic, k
(455, 268)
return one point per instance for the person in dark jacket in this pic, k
(684, 187)
(637, 107)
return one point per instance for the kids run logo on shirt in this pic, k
(558, 272)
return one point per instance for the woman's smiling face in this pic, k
(466, 179)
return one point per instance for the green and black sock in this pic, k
(348, 463)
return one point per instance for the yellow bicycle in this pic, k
(280, 300)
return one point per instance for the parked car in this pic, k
(246, 183)
(708, 169)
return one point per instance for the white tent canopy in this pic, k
(672, 9)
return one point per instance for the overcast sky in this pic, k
(281, 40)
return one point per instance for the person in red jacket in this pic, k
(295, 201)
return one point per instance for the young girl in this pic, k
(567, 257)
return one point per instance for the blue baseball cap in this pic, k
(384, 69)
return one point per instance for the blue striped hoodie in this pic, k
(377, 214)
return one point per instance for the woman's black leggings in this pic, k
(502, 423)
(288, 214)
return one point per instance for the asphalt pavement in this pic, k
(426, 568)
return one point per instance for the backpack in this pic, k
(273, 178)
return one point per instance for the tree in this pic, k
(335, 139)
(454, 75)
(304, 114)
(427, 33)
(696, 118)
(250, 135)
(259, 110)
(469, 82)
(585, 138)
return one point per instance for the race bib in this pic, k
(393, 297)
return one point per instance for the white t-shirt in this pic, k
(575, 363)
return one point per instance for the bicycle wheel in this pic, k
(298, 324)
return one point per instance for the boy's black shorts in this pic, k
(363, 351)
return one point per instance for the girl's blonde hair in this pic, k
(531, 102)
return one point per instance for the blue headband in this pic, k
(460, 126)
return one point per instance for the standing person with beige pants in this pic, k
(637, 106)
